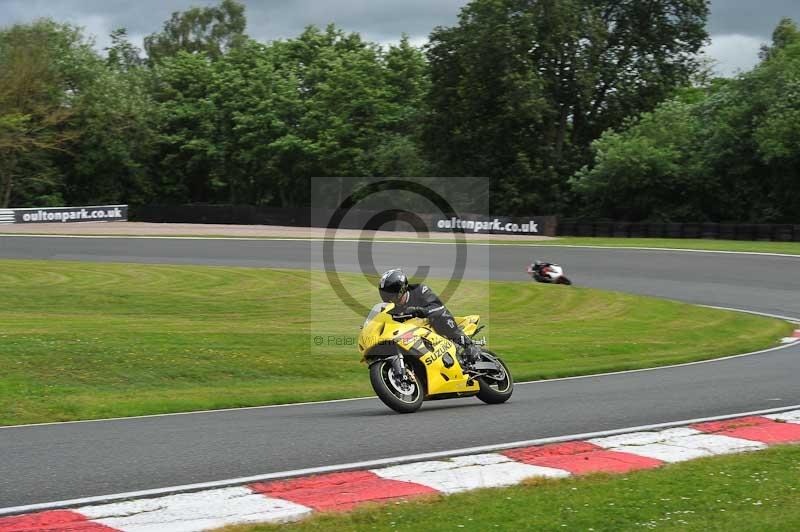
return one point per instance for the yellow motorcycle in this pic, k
(409, 363)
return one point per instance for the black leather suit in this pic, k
(427, 304)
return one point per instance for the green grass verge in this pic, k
(754, 491)
(86, 341)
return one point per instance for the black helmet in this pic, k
(393, 285)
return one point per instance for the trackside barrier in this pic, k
(545, 225)
(390, 220)
(39, 215)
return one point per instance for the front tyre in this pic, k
(499, 390)
(403, 395)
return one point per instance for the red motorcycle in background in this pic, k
(546, 272)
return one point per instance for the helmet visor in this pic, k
(392, 294)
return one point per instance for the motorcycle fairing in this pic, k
(415, 338)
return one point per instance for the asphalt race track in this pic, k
(67, 461)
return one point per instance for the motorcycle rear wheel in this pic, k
(495, 392)
(402, 399)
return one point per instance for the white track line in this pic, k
(643, 248)
(400, 241)
(777, 316)
(214, 411)
(541, 381)
(671, 366)
(375, 463)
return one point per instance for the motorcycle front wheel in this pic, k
(495, 391)
(401, 395)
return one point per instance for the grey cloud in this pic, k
(142, 16)
(733, 53)
(378, 20)
(756, 18)
(268, 19)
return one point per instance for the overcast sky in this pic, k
(737, 27)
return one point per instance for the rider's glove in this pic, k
(417, 312)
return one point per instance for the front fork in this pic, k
(399, 366)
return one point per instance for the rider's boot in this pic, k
(470, 354)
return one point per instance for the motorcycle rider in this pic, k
(420, 301)
(539, 269)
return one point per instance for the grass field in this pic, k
(751, 492)
(83, 341)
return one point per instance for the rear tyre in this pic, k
(495, 392)
(401, 395)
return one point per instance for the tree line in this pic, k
(597, 108)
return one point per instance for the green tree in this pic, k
(520, 88)
(111, 160)
(209, 30)
(784, 35)
(43, 70)
(778, 134)
(356, 116)
(188, 150)
(255, 124)
(399, 150)
(648, 171)
(731, 154)
(259, 106)
(122, 54)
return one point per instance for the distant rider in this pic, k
(420, 301)
(539, 270)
